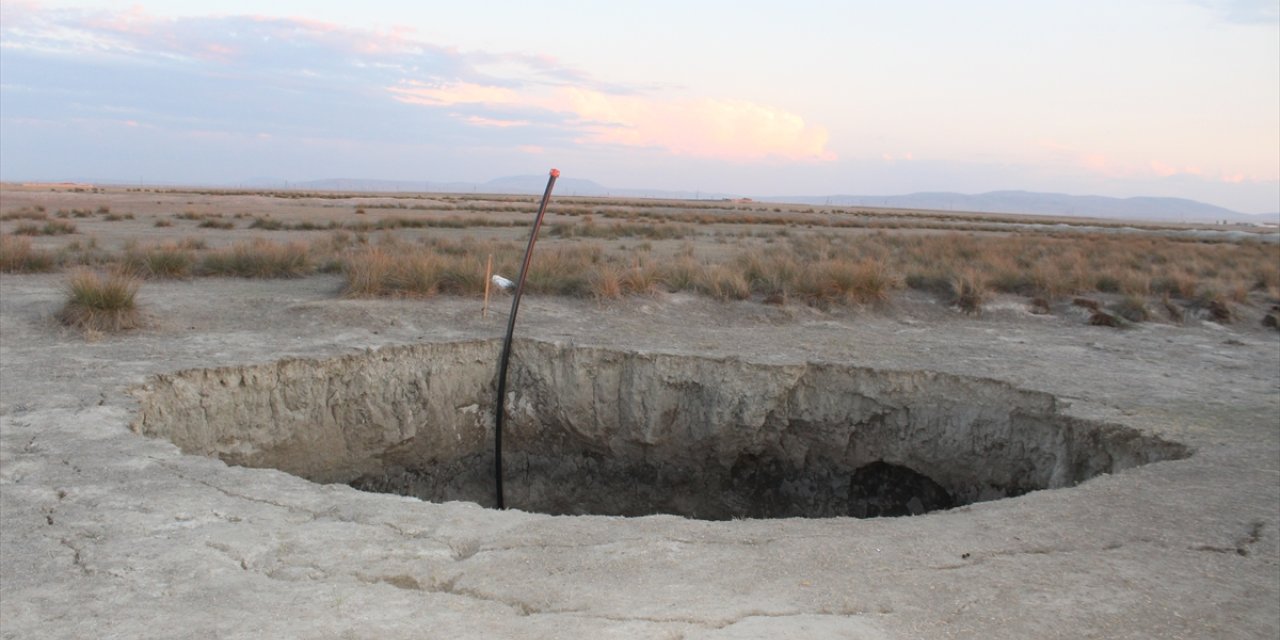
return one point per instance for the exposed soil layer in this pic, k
(602, 431)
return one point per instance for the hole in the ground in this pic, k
(600, 431)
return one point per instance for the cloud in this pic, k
(481, 121)
(1248, 12)
(297, 76)
(735, 130)
(1105, 166)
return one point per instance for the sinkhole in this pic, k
(601, 431)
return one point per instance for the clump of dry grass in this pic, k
(49, 228)
(258, 259)
(101, 304)
(18, 256)
(641, 278)
(722, 283)
(1175, 312)
(1132, 308)
(1100, 318)
(415, 272)
(589, 229)
(26, 213)
(1216, 304)
(565, 270)
(606, 283)
(167, 260)
(968, 292)
(845, 281)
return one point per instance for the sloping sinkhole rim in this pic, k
(1115, 436)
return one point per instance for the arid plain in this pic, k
(1121, 333)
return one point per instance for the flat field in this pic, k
(106, 533)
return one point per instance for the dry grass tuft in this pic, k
(26, 213)
(722, 283)
(641, 278)
(411, 272)
(49, 228)
(99, 304)
(1175, 312)
(258, 259)
(17, 256)
(214, 223)
(606, 283)
(1132, 308)
(968, 292)
(1100, 318)
(1272, 319)
(161, 261)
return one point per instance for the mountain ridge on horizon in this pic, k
(1138, 208)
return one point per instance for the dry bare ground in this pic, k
(107, 533)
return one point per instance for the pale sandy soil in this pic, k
(105, 533)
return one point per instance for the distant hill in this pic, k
(510, 185)
(1141, 208)
(1025, 202)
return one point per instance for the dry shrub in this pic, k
(161, 261)
(564, 270)
(1272, 319)
(26, 213)
(1175, 313)
(606, 283)
(402, 271)
(641, 279)
(368, 272)
(95, 303)
(17, 256)
(682, 274)
(49, 228)
(723, 283)
(774, 274)
(968, 292)
(1100, 318)
(258, 259)
(1175, 285)
(1132, 308)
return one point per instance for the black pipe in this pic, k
(506, 344)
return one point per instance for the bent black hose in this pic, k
(506, 344)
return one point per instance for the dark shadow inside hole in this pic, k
(883, 490)
(754, 486)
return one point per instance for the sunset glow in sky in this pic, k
(1144, 97)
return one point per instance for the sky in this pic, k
(1173, 98)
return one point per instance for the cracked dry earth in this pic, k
(106, 533)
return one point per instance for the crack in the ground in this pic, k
(232, 494)
(1243, 544)
(978, 557)
(77, 557)
(450, 586)
(706, 624)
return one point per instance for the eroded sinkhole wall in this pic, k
(602, 431)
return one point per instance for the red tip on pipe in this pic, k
(555, 173)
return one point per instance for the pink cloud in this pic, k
(481, 121)
(454, 94)
(701, 127)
